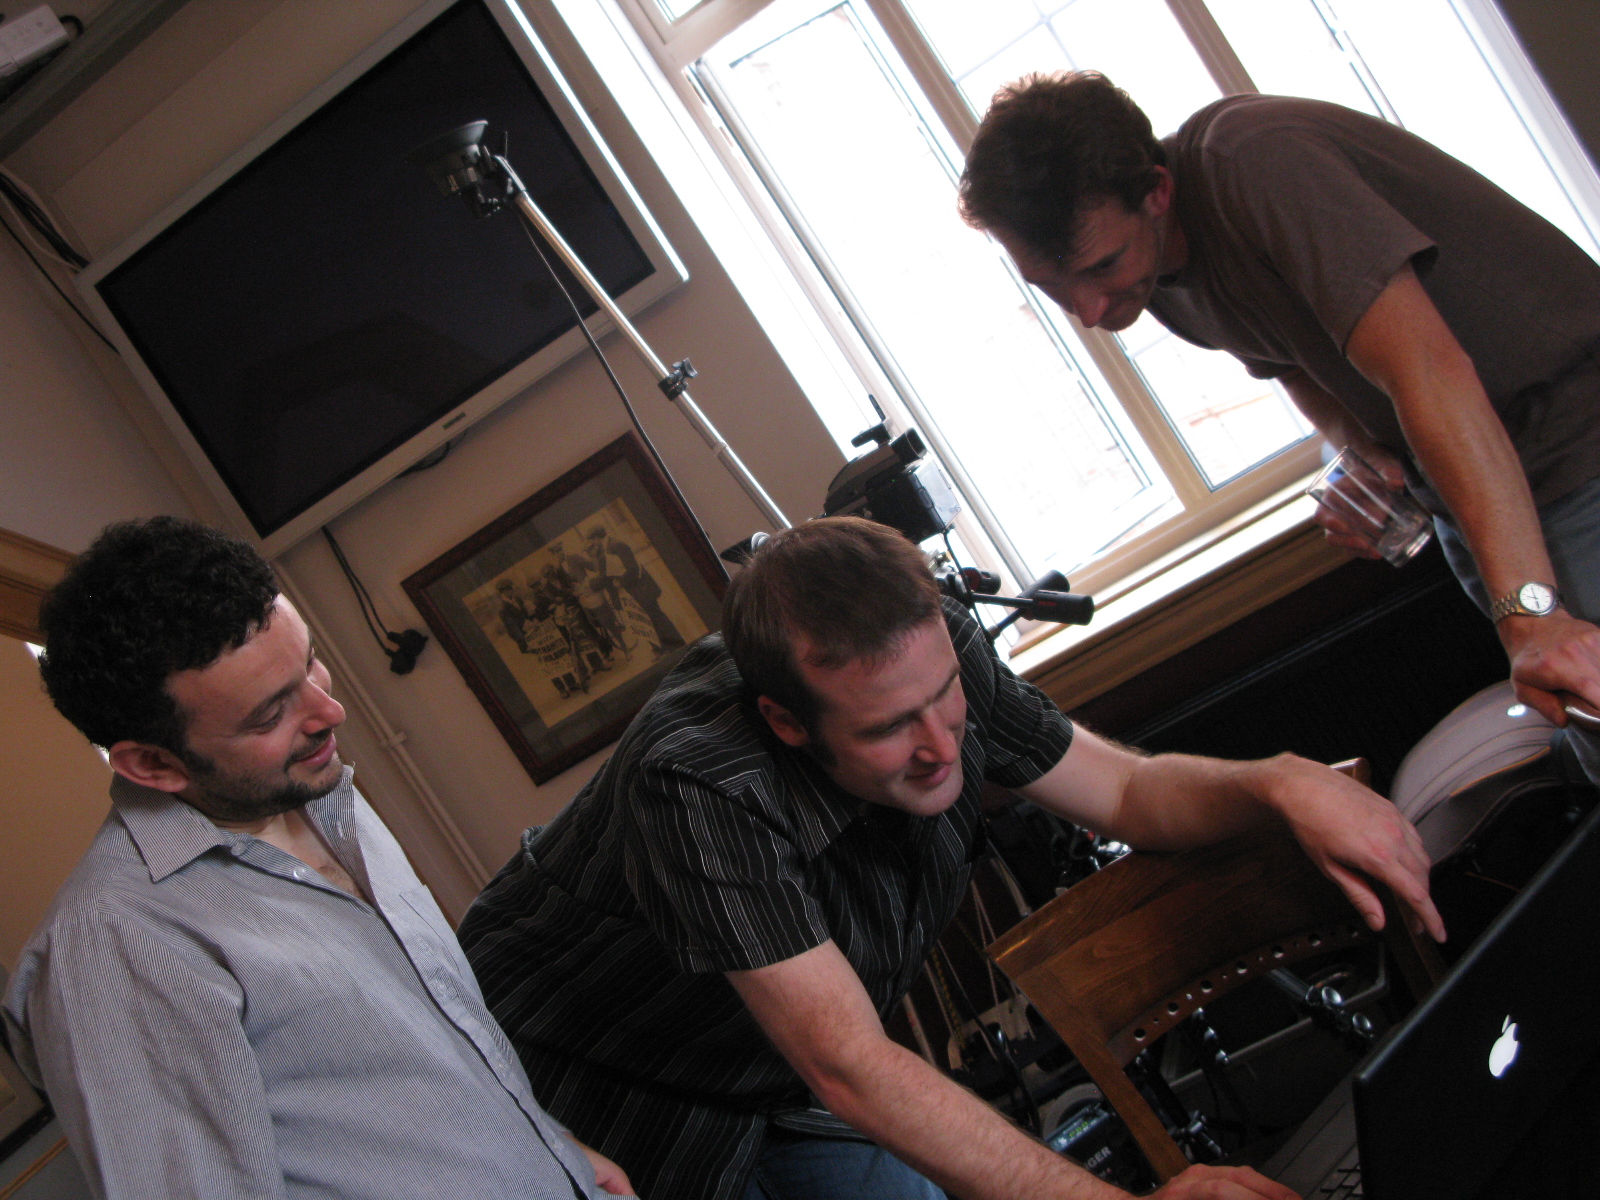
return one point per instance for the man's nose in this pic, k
(936, 741)
(1088, 304)
(326, 712)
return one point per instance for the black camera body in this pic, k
(894, 485)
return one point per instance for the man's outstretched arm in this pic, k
(1175, 801)
(1403, 346)
(821, 1019)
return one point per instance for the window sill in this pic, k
(1202, 587)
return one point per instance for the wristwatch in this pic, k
(1529, 600)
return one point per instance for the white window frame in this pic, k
(1206, 512)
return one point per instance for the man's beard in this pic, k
(241, 798)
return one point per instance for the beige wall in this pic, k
(53, 800)
(70, 458)
(203, 85)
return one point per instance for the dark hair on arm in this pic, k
(850, 588)
(146, 600)
(1050, 148)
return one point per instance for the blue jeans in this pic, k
(792, 1167)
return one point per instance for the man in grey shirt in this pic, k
(1409, 307)
(243, 989)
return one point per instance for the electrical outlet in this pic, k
(28, 37)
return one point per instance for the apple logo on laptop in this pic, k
(1504, 1051)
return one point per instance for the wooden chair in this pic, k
(1124, 956)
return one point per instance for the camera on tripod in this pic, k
(896, 484)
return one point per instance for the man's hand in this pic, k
(1337, 526)
(1354, 836)
(1175, 801)
(1550, 655)
(1222, 1183)
(612, 1179)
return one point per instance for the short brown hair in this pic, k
(1050, 148)
(853, 589)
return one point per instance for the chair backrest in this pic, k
(1124, 956)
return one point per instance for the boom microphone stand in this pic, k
(462, 165)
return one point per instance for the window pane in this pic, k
(1289, 51)
(874, 183)
(676, 8)
(1137, 43)
(1447, 94)
(1228, 421)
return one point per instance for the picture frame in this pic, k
(564, 614)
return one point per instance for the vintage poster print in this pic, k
(585, 613)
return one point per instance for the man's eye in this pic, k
(268, 722)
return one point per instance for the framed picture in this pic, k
(564, 614)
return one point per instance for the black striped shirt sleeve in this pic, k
(719, 882)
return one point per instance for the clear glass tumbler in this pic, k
(1393, 523)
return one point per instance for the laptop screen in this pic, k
(1457, 1087)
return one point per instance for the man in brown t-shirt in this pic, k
(1409, 307)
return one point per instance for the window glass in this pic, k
(676, 8)
(1228, 421)
(1289, 50)
(873, 181)
(1414, 63)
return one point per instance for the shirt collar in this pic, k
(171, 834)
(334, 815)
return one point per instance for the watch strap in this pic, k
(1511, 605)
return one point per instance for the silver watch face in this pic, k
(1537, 598)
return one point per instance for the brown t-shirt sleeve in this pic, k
(1293, 195)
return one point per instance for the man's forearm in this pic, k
(822, 1021)
(937, 1127)
(1176, 801)
(1402, 345)
(1165, 802)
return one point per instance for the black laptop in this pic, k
(1483, 1066)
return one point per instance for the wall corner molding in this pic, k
(28, 569)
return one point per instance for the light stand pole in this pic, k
(461, 164)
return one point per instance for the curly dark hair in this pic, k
(852, 588)
(146, 600)
(1050, 148)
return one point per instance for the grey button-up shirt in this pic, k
(211, 1017)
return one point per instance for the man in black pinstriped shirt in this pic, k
(694, 958)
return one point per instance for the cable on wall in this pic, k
(408, 643)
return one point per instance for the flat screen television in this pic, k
(313, 317)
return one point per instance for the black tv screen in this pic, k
(326, 303)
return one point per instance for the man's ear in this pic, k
(1159, 198)
(149, 766)
(783, 722)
